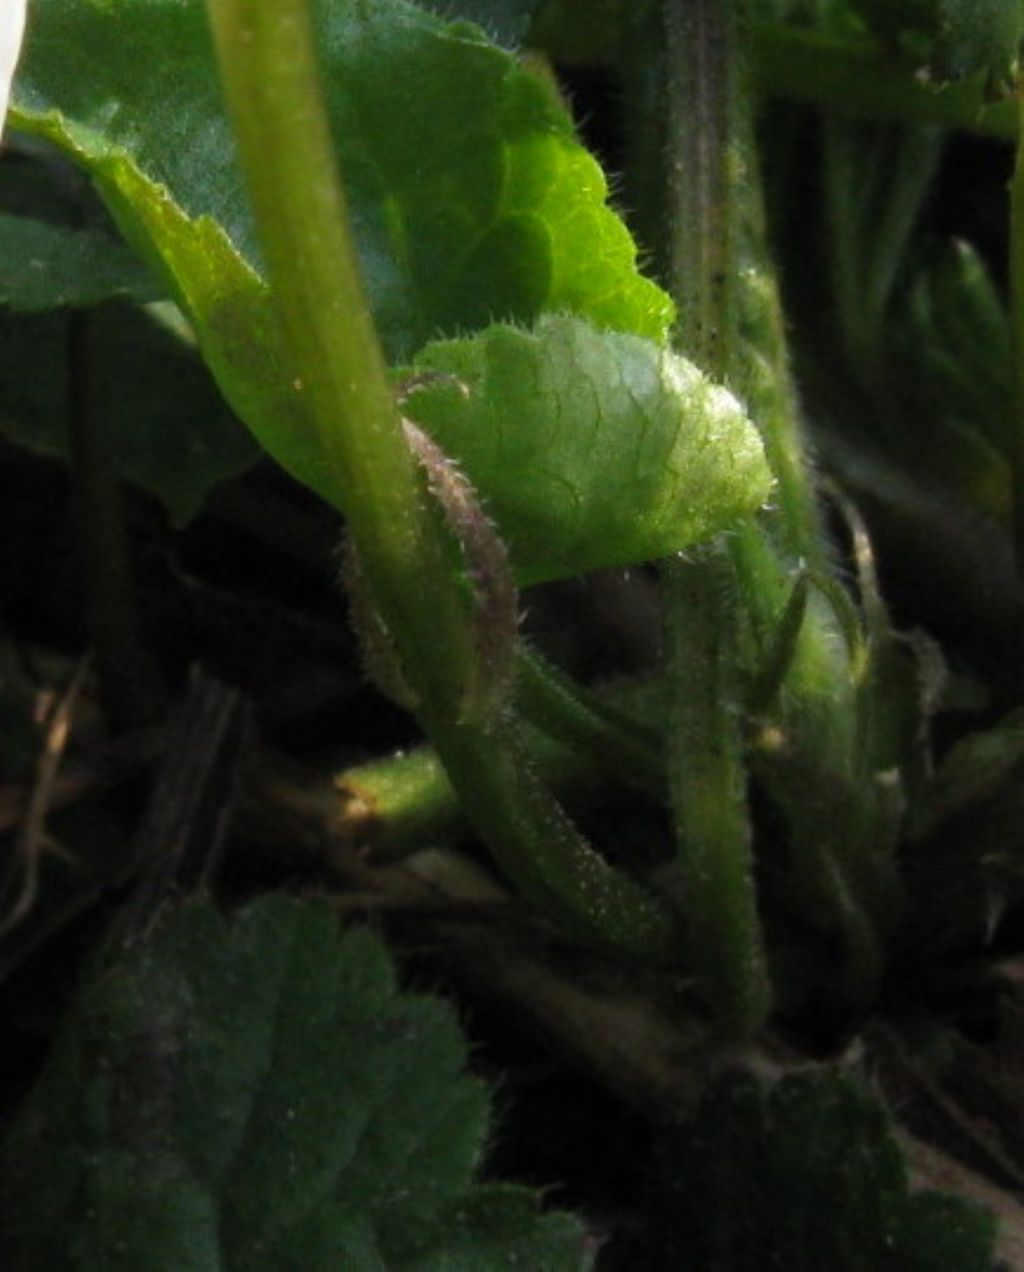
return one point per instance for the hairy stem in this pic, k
(707, 777)
(727, 610)
(708, 784)
(718, 267)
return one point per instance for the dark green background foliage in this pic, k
(800, 1174)
(256, 1094)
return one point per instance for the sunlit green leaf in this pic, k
(471, 198)
(592, 448)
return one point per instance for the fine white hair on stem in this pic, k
(12, 28)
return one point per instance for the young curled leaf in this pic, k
(591, 449)
(484, 560)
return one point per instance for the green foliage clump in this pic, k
(257, 1094)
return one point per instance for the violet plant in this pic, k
(379, 228)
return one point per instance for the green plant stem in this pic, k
(539, 848)
(854, 77)
(731, 324)
(129, 679)
(1017, 321)
(271, 81)
(707, 777)
(701, 108)
(556, 705)
(718, 267)
(708, 785)
(392, 805)
(269, 69)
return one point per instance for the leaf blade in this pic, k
(259, 1095)
(502, 214)
(593, 448)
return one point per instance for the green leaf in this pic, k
(49, 266)
(945, 420)
(981, 36)
(876, 179)
(471, 199)
(258, 1095)
(801, 1175)
(592, 448)
(973, 770)
(950, 347)
(168, 428)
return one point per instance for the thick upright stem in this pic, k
(707, 776)
(708, 784)
(271, 81)
(817, 710)
(701, 157)
(694, 185)
(700, 137)
(268, 65)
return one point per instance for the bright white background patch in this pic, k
(12, 25)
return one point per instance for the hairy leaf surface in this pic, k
(258, 1095)
(593, 448)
